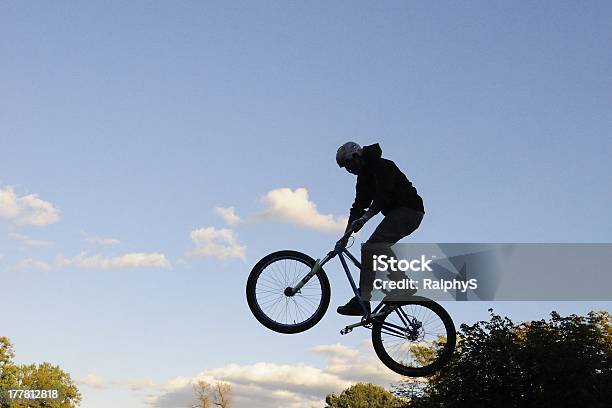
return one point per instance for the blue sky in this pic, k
(133, 122)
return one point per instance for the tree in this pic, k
(364, 396)
(34, 377)
(207, 395)
(222, 394)
(203, 398)
(8, 371)
(562, 362)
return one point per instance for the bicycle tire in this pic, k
(270, 322)
(442, 358)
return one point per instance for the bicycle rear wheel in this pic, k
(270, 305)
(415, 338)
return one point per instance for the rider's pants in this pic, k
(397, 224)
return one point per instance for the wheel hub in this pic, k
(414, 331)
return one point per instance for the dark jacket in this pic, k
(382, 186)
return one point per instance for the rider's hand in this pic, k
(358, 224)
(343, 242)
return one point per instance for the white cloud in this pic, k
(95, 240)
(32, 264)
(295, 207)
(103, 241)
(271, 385)
(86, 261)
(97, 382)
(336, 350)
(28, 209)
(92, 380)
(131, 260)
(216, 243)
(289, 206)
(8, 203)
(228, 214)
(267, 384)
(29, 241)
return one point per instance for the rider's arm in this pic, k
(386, 176)
(363, 199)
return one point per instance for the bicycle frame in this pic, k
(406, 324)
(340, 251)
(368, 318)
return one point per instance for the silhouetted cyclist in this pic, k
(381, 187)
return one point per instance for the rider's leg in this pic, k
(397, 224)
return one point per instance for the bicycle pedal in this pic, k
(346, 330)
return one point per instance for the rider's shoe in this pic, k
(353, 308)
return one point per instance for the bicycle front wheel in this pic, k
(272, 307)
(415, 338)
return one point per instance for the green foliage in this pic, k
(425, 355)
(6, 351)
(35, 377)
(8, 371)
(562, 362)
(364, 396)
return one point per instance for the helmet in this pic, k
(346, 152)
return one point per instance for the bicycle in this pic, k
(282, 279)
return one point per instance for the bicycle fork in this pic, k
(290, 291)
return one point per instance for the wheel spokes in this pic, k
(412, 335)
(270, 287)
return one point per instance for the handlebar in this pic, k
(345, 236)
(348, 234)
